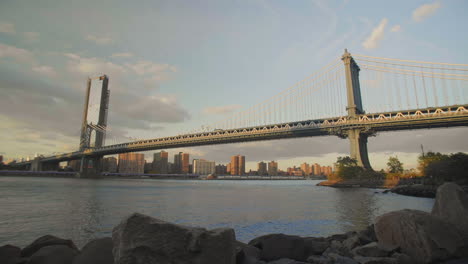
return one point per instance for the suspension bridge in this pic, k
(397, 95)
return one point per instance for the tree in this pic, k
(347, 168)
(394, 165)
(428, 158)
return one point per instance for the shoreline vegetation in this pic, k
(434, 170)
(405, 236)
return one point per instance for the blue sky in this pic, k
(177, 65)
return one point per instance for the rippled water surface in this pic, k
(83, 209)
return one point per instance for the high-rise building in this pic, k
(220, 169)
(228, 168)
(272, 168)
(181, 163)
(237, 165)
(317, 169)
(160, 162)
(109, 164)
(327, 170)
(203, 167)
(1, 158)
(305, 168)
(131, 163)
(262, 168)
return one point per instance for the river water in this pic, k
(83, 209)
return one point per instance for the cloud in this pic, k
(18, 54)
(99, 40)
(396, 28)
(376, 36)
(122, 55)
(92, 66)
(31, 36)
(7, 28)
(45, 70)
(152, 72)
(424, 11)
(221, 110)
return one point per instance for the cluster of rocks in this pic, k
(417, 190)
(406, 236)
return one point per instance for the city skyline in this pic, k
(43, 65)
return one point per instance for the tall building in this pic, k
(160, 162)
(237, 165)
(131, 163)
(272, 168)
(317, 169)
(228, 168)
(203, 167)
(305, 168)
(1, 158)
(327, 170)
(262, 168)
(109, 164)
(220, 169)
(181, 163)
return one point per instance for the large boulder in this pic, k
(44, 241)
(422, 236)
(143, 239)
(9, 254)
(278, 246)
(98, 251)
(246, 254)
(373, 249)
(55, 254)
(451, 205)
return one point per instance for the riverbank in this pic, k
(396, 237)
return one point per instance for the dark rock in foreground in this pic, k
(44, 241)
(9, 254)
(143, 239)
(98, 251)
(55, 254)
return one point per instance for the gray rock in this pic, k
(352, 242)
(246, 254)
(338, 237)
(376, 260)
(338, 259)
(456, 261)
(337, 247)
(422, 236)
(98, 251)
(277, 246)
(402, 258)
(286, 261)
(9, 254)
(47, 240)
(373, 249)
(451, 205)
(55, 254)
(319, 260)
(367, 235)
(143, 239)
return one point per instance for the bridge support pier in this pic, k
(90, 167)
(358, 147)
(36, 165)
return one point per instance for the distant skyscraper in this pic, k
(109, 164)
(272, 168)
(1, 158)
(228, 168)
(160, 162)
(237, 165)
(220, 169)
(181, 162)
(305, 168)
(203, 167)
(131, 163)
(262, 168)
(317, 169)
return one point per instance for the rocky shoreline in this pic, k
(405, 236)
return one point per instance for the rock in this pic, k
(277, 246)
(375, 260)
(386, 191)
(55, 254)
(98, 251)
(337, 247)
(367, 235)
(456, 261)
(422, 236)
(338, 259)
(9, 254)
(451, 205)
(286, 261)
(402, 258)
(319, 260)
(338, 237)
(44, 241)
(143, 239)
(373, 250)
(352, 242)
(246, 254)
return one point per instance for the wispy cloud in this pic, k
(18, 54)
(425, 11)
(376, 36)
(100, 40)
(396, 28)
(45, 70)
(221, 110)
(122, 55)
(31, 36)
(7, 28)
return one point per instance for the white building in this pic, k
(203, 167)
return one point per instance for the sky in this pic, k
(177, 65)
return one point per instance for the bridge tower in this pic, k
(99, 128)
(357, 137)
